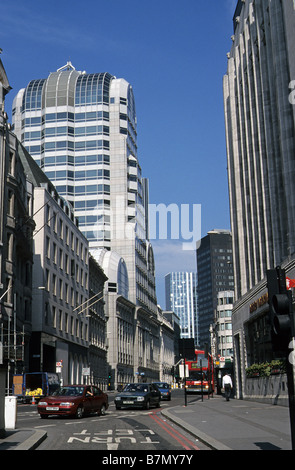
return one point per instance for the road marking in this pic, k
(180, 438)
(45, 426)
(112, 437)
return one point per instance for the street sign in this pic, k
(181, 371)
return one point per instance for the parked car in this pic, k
(165, 390)
(138, 395)
(74, 400)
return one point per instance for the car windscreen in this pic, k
(69, 391)
(197, 375)
(162, 385)
(136, 388)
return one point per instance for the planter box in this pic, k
(272, 389)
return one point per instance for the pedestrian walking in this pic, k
(227, 385)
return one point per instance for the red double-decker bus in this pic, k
(200, 374)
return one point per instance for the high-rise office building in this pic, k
(260, 135)
(215, 274)
(81, 129)
(181, 298)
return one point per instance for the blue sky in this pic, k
(174, 56)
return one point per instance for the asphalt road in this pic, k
(125, 430)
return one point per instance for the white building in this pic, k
(60, 326)
(223, 325)
(82, 131)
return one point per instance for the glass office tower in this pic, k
(181, 298)
(215, 274)
(81, 129)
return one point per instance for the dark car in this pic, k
(165, 390)
(74, 400)
(138, 395)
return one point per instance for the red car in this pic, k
(74, 400)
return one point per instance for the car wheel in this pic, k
(118, 407)
(44, 416)
(102, 410)
(79, 412)
(147, 405)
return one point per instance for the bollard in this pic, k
(10, 412)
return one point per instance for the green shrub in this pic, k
(265, 369)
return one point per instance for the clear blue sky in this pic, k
(174, 55)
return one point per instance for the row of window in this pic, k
(76, 160)
(91, 189)
(66, 130)
(78, 175)
(92, 204)
(224, 326)
(65, 116)
(94, 219)
(97, 235)
(225, 339)
(68, 145)
(224, 313)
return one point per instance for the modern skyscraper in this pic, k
(81, 129)
(181, 298)
(260, 135)
(215, 274)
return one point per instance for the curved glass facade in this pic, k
(93, 88)
(32, 99)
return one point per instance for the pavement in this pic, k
(22, 439)
(234, 424)
(221, 425)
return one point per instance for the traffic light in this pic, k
(282, 319)
(110, 380)
(280, 309)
